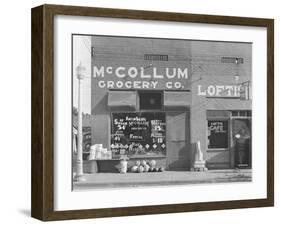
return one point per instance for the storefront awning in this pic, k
(177, 99)
(122, 99)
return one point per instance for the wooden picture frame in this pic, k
(42, 203)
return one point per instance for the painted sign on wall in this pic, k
(231, 91)
(139, 77)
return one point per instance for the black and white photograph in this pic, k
(140, 112)
(160, 112)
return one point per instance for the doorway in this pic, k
(177, 140)
(242, 140)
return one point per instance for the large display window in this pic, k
(138, 134)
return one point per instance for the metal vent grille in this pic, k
(155, 57)
(232, 60)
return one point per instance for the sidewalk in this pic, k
(115, 180)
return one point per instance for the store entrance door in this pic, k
(242, 142)
(177, 140)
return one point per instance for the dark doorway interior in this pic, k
(242, 142)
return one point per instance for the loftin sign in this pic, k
(231, 91)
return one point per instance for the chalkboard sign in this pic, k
(217, 134)
(138, 134)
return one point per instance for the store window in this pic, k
(218, 134)
(151, 100)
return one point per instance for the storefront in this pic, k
(156, 98)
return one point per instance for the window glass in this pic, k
(243, 113)
(150, 100)
(234, 113)
(249, 113)
(138, 134)
(217, 134)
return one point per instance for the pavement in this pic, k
(115, 180)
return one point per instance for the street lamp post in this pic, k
(80, 70)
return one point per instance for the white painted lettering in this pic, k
(137, 84)
(155, 75)
(117, 72)
(145, 85)
(154, 84)
(170, 76)
(182, 73)
(119, 84)
(128, 84)
(229, 90)
(110, 84)
(142, 73)
(177, 85)
(133, 72)
(169, 85)
(101, 84)
(219, 89)
(98, 72)
(236, 91)
(200, 92)
(109, 70)
(211, 90)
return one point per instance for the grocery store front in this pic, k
(169, 105)
(144, 124)
(157, 129)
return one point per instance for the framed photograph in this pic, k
(141, 112)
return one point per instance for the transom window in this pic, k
(151, 100)
(241, 113)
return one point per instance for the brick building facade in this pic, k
(175, 93)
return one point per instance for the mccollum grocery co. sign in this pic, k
(121, 77)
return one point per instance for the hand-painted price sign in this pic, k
(138, 134)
